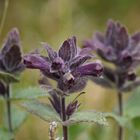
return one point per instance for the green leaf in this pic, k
(18, 118)
(8, 78)
(43, 111)
(29, 93)
(131, 110)
(87, 116)
(5, 135)
(120, 120)
(132, 107)
(75, 130)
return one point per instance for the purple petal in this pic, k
(36, 62)
(123, 38)
(65, 51)
(12, 39)
(12, 59)
(91, 69)
(52, 54)
(72, 42)
(88, 44)
(11, 55)
(79, 60)
(100, 37)
(110, 31)
(136, 38)
(86, 51)
(68, 49)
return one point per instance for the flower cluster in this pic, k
(11, 57)
(118, 48)
(68, 66)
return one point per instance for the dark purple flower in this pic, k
(10, 55)
(118, 48)
(68, 66)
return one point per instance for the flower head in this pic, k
(68, 66)
(10, 55)
(118, 48)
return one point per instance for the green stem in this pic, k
(6, 4)
(120, 108)
(9, 114)
(64, 118)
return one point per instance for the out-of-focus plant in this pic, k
(11, 65)
(123, 51)
(70, 69)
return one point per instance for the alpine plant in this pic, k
(118, 48)
(11, 66)
(70, 68)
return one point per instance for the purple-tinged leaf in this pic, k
(110, 32)
(55, 101)
(72, 107)
(65, 51)
(79, 60)
(52, 54)
(73, 47)
(136, 38)
(12, 59)
(12, 39)
(123, 37)
(68, 50)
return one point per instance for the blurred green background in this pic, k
(53, 21)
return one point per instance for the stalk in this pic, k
(120, 111)
(64, 118)
(9, 115)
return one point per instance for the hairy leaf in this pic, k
(29, 93)
(8, 78)
(5, 135)
(132, 107)
(43, 111)
(87, 116)
(120, 120)
(18, 118)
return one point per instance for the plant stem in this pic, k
(6, 4)
(64, 118)
(120, 108)
(8, 105)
